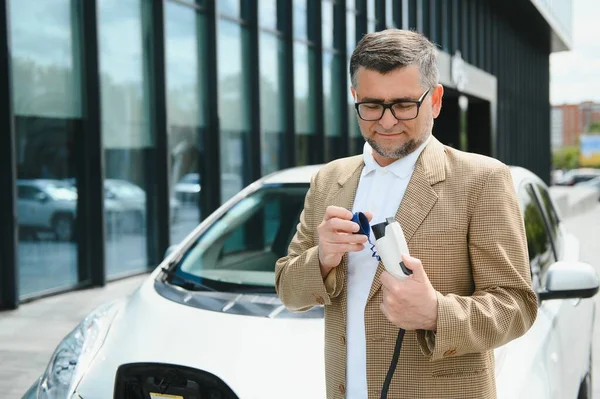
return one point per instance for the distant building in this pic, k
(569, 121)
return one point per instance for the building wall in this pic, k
(557, 128)
(155, 113)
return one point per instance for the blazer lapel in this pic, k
(419, 197)
(347, 185)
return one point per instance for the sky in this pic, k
(575, 74)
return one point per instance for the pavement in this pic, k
(586, 226)
(574, 200)
(29, 335)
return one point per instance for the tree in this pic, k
(566, 158)
(595, 128)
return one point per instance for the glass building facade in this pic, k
(126, 122)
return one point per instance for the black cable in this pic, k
(393, 364)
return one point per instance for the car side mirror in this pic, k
(570, 280)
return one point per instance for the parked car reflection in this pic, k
(187, 190)
(132, 200)
(46, 205)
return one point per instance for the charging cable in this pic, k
(393, 364)
(391, 246)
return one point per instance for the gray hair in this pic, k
(391, 49)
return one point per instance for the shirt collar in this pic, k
(401, 168)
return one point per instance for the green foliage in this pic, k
(595, 128)
(566, 158)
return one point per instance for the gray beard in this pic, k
(395, 153)
(405, 148)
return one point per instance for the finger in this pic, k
(341, 225)
(387, 280)
(337, 212)
(343, 238)
(415, 265)
(343, 248)
(369, 216)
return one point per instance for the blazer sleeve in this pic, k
(503, 305)
(298, 279)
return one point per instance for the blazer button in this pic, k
(450, 352)
(342, 389)
(343, 340)
(319, 299)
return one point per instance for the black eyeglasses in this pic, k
(404, 110)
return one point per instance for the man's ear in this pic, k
(353, 92)
(436, 100)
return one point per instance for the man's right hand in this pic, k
(336, 237)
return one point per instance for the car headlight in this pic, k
(75, 353)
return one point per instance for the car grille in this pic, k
(140, 380)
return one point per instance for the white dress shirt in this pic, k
(380, 191)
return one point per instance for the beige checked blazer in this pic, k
(461, 217)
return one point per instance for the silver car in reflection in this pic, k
(47, 205)
(132, 201)
(207, 322)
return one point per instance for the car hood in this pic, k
(258, 357)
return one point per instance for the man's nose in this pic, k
(388, 120)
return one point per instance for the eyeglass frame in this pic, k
(389, 106)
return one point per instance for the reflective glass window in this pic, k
(552, 217)
(233, 108)
(186, 115)
(47, 106)
(327, 24)
(371, 16)
(267, 14)
(231, 8)
(389, 13)
(304, 103)
(129, 146)
(538, 240)
(331, 102)
(300, 21)
(271, 102)
(350, 31)
(356, 140)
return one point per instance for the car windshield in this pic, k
(237, 253)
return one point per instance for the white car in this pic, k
(593, 184)
(208, 324)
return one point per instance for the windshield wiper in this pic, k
(187, 283)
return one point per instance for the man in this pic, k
(470, 290)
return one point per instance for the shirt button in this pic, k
(342, 389)
(343, 340)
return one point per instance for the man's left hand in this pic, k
(410, 304)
